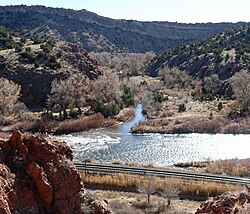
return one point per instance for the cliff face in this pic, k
(37, 175)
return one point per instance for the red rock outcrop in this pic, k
(228, 202)
(37, 175)
(100, 207)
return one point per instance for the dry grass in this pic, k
(125, 114)
(193, 124)
(81, 124)
(197, 190)
(187, 124)
(233, 167)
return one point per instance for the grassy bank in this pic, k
(195, 190)
(234, 167)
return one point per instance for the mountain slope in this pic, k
(34, 64)
(96, 33)
(222, 54)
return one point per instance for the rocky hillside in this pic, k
(38, 176)
(35, 63)
(96, 33)
(223, 54)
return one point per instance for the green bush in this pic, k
(37, 40)
(107, 109)
(28, 55)
(28, 49)
(158, 97)
(220, 106)
(182, 108)
(53, 59)
(23, 39)
(37, 65)
(18, 48)
(128, 97)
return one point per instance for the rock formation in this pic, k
(228, 202)
(37, 175)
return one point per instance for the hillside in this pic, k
(34, 64)
(97, 33)
(223, 54)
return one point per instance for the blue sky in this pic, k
(155, 10)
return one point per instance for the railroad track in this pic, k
(100, 168)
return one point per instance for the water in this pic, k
(117, 143)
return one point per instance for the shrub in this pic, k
(69, 126)
(28, 49)
(128, 97)
(182, 108)
(54, 66)
(28, 55)
(158, 97)
(18, 48)
(220, 106)
(53, 59)
(23, 39)
(232, 128)
(37, 40)
(211, 116)
(107, 109)
(37, 65)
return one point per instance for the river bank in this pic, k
(187, 123)
(232, 167)
(68, 126)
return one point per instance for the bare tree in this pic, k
(173, 77)
(211, 84)
(9, 95)
(107, 88)
(80, 92)
(59, 96)
(241, 86)
(129, 64)
(69, 93)
(148, 186)
(170, 191)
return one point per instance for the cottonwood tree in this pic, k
(106, 94)
(240, 83)
(59, 97)
(173, 77)
(107, 88)
(9, 95)
(79, 91)
(211, 84)
(148, 187)
(128, 64)
(68, 93)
